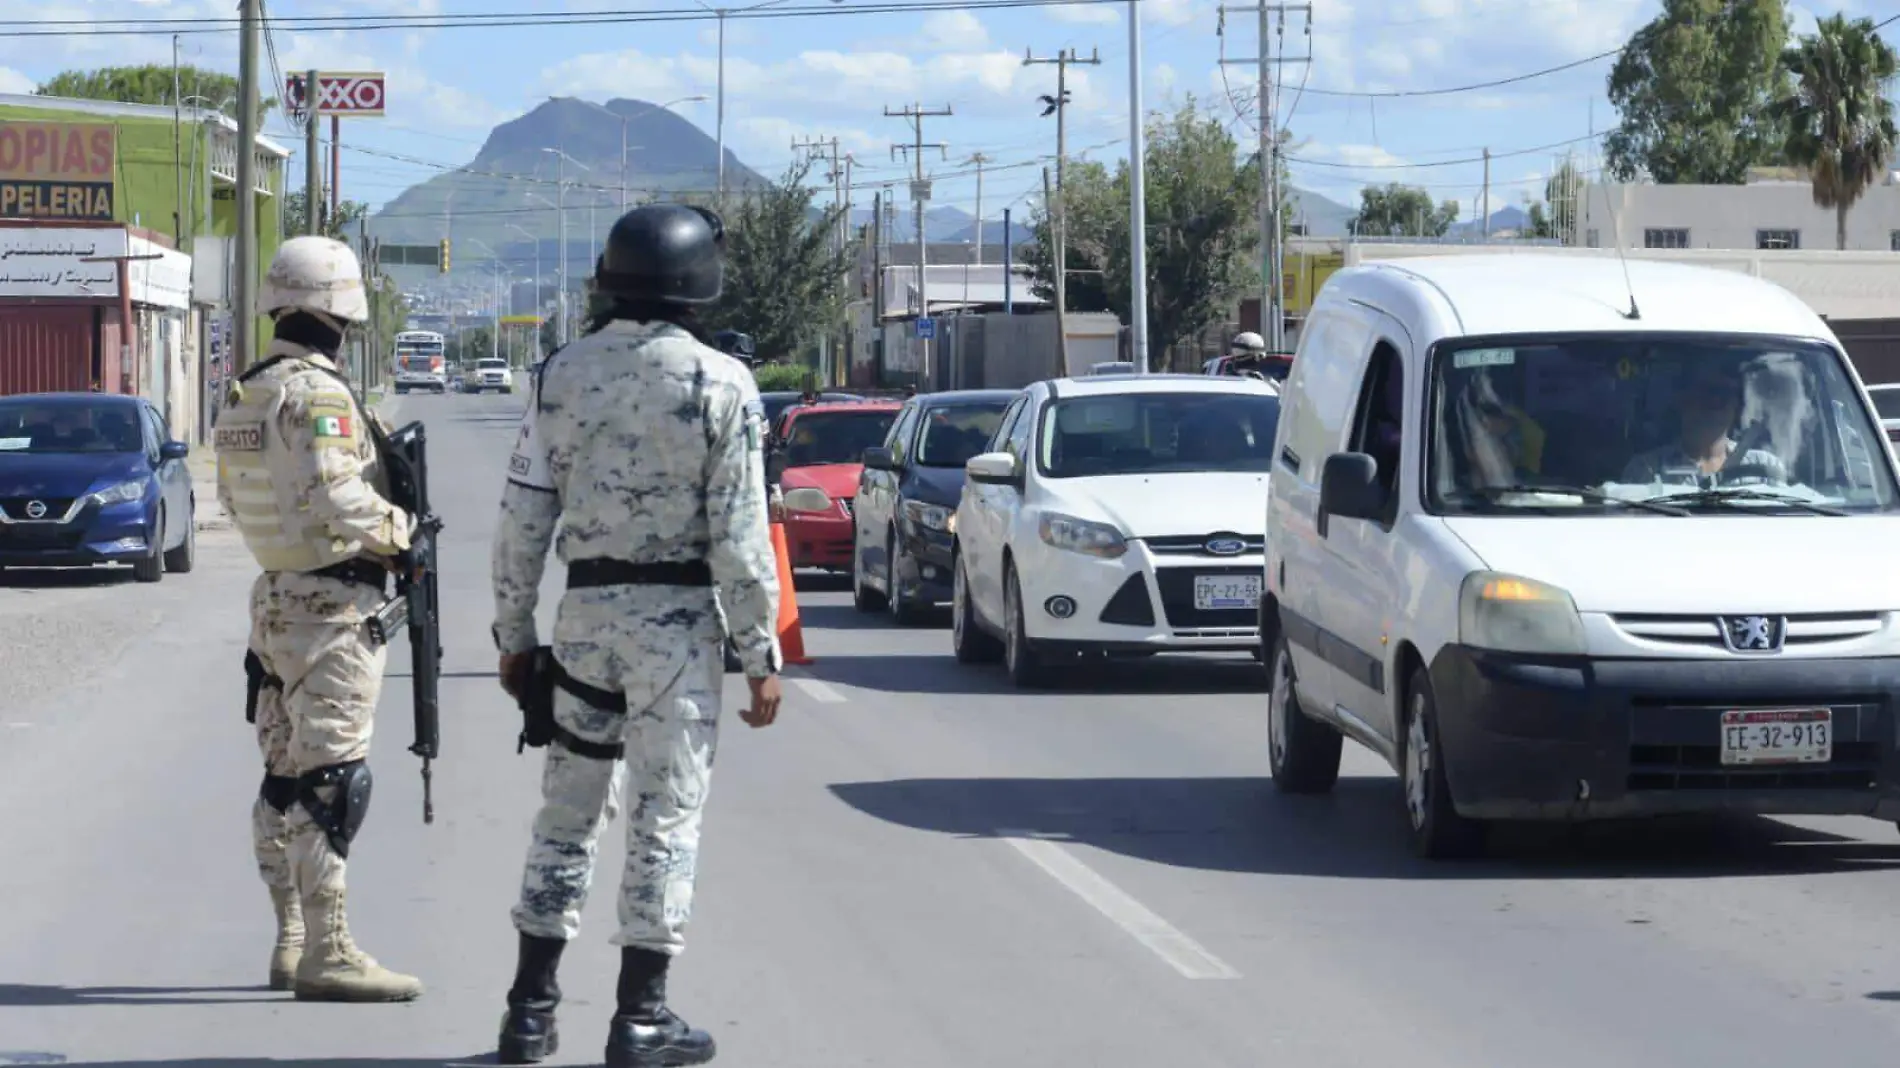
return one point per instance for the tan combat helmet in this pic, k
(315, 274)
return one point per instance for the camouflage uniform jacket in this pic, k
(641, 444)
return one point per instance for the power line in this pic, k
(1450, 90)
(366, 23)
(1441, 162)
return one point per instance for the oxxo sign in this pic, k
(358, 93)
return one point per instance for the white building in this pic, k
(1773, 212)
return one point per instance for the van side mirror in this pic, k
(878, 458)
(1349, 486)
(993, 469)
(174, 450)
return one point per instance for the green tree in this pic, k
(470, 344)
(784, 279)
(341, 226)
(1840, 121)
(1696, 90)
(1398, 210)
(150, 84)
(1203, 244)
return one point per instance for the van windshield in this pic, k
(1650, 424)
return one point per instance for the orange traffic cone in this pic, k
(791, 638)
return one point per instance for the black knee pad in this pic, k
(279, 792)
(342, 818)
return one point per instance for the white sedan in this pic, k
(1115, 514)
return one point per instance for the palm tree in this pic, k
(1841, 124)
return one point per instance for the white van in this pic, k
(1564, 543)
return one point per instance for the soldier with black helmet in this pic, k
(640, 449)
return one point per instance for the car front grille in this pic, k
(1196, 545)
(1676, 746)
(15, 507)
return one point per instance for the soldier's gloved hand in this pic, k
(765, 699)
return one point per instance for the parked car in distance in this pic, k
(1113, 367)
(907, 499)
(93, 478)
(1555, 556)
(1886, 400)
(816, 456)
(491, 375)
(1119, 515)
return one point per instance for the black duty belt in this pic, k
(359, 570)
(585, 574)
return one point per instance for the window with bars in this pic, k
(1777, 239)
(1666, 237)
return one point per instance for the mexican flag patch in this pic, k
(333, 426)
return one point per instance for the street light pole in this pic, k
(1137, 200)
(719, 127)
(537, 280)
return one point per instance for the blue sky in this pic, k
(820, 77)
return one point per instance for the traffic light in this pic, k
(442, 258)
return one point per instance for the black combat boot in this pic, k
(527, 1031)
(644, 1032)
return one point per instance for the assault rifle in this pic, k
(417, 601)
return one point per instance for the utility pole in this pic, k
(1272, 57)
(244, 316)
(877, 290)
(1485, 198)
(915, 114)
(826, 150)
(312, 165)
(979, 159)
(1059, 107)
(1062, 292)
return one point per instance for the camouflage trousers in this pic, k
(309, 633)
(663, 652)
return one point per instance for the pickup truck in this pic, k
(490, 375)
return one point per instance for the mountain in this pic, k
(516, 179)
(1509, 217)
(1320, 216)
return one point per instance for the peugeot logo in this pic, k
(36, 509)
(1226, 545)
(1753, 634)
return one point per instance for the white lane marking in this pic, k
(1181, 952)
(817, 689)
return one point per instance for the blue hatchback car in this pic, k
(93, 478)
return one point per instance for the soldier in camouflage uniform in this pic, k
(299, 473)
(641, 450)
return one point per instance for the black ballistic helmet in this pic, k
(733, 343)
(669, 253)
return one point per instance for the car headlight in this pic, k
(930, 516)
(1508, 614)
(807, 500)
(1082, 535)
(123, 493)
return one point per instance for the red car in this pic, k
(817, 456)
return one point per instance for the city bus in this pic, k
(420, 356)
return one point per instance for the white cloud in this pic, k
(418, 99)
(1351, 156)
(955, 31)
(12, 81)
(1084, 13)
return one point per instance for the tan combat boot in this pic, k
(332, 968)
(289, 949)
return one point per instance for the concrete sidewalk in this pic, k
(203, 463)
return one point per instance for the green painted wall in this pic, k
(152, 173)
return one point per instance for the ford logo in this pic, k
(1222, 545)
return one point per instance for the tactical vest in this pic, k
(258, 475)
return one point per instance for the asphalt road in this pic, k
(916, 868)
